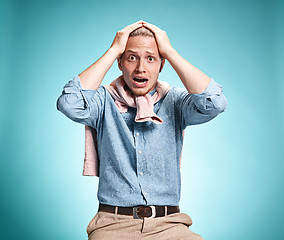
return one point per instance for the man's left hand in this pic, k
(163, 42)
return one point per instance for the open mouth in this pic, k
(140, 80)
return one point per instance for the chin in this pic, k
(140, 92)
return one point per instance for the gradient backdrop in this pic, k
(232, 166)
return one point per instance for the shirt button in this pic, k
(140, 152)
(137, 134)
(146, 193)
(141, 173)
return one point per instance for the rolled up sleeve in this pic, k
(80, 105)
(199, 108)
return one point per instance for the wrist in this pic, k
(114, 51)
(170, 52)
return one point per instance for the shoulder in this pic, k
(105, 96)
(102, 93)
(176, 93)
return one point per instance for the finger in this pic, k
(140, 22)
(152, 27)
(133, 26)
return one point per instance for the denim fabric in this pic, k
(139, 162)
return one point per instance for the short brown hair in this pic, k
(142, 31)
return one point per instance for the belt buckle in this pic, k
(135, 215)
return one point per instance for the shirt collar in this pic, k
(153, 91)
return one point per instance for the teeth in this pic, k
(140, 80)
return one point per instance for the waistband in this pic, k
(140, 212)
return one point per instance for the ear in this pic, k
(162, 64)
(119, 64)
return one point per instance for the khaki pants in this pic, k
(108, 226)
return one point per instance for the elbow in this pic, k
(62, 105)
(219, 104)
(59, 103)
(215, 105)
(73, 109)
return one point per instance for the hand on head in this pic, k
(121, 36)
(163, 42)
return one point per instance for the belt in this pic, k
(140, 212)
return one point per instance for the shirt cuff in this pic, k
(74, 86)
(209, 98)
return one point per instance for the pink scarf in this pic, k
(123, 98)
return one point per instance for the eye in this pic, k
(132, 58)
(151, 59)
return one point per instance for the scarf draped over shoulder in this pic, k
(123, 98)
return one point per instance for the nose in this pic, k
(140, 66)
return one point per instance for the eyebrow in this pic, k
(136, 52)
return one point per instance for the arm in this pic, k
(194, 80)
(82, 99)
(203, 99)
(81, 105)
(198, 108)
(92, 77)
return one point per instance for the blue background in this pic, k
(232, 166)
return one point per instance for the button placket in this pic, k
(139, 158)
(138, 150)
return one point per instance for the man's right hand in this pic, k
(121, 37)
(92, 77)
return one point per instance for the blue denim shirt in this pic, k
(139, 162)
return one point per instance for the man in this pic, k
(139, 123)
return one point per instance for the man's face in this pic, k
(140, 64)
